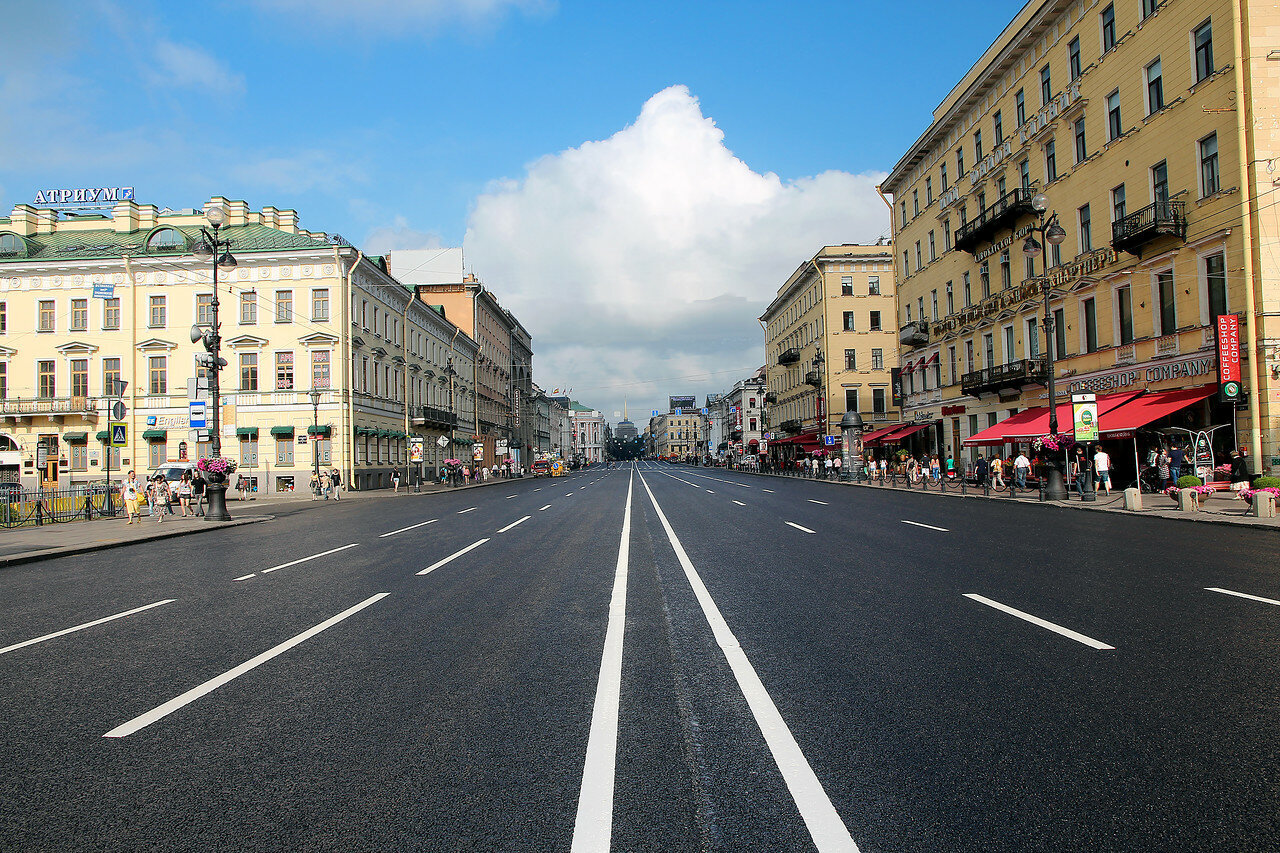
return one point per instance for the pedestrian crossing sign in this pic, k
(119, 435)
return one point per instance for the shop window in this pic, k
(284, 450)
(79, 457)
(248, 452)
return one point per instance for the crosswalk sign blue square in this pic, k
(119, 435)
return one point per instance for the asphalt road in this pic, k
(650, 658)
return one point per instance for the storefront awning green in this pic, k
(282, 430)
(154, 434)
(247, 432)
(76, 437)
(104, 436)
(317, 429)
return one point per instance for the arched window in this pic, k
(12, 246)
(167, 240)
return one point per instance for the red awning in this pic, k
(909, 429)
(876, 434)
(1033, 423)
(994, 435)
(1121, 422)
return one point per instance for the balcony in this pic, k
(914, 334)
(1162, 219)
(19, 408)
(811, 378)
(789, 356)
(1015, 374)
(1003, 214)
(441, 419)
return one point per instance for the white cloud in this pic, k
(183, 65)
(646, 257)
(404, 15)
(398, 235)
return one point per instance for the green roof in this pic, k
(106, 243)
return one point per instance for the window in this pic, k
(79, 315)
(1020, 107)
(984, 276)
(934, 303)
(964, 215)
(1033, 338)
(874, 324)
(989, 349)
(851, 399)
(79, 457)
(1086, 229)
(1166, 294)
(877, 359)
(284, 306)
(204, 309)
(1209, 165)
(968, 295)
(977, 145)
(167, 240)
(1029, 269)
(968, 355)
(848, 321)
(928, 191)
(1008, 345)
(850, 359)
(919, 256)
(1202, 39)
(1215, 276)
(4, 317)
(248, 452)
(951, 301)
(1117, 204)
(906, 264)
(157, 453)
(79, 377)
(1006, 274)
(157, 312)
(933, 248)
(47, 315)
(1149, 8)
(1124, 307)
(944, 177)
(1055, 254)
(946, 235)
(997, 124)
(248, 371)
(46, 378)
(1082, 151)
(284, 371)
(1108, 25)
(324, 447)
(1046, 87)
(1114, 128)
(157, 375)
(111, 313)
(1073, 57)
(249, 308)
(873, 285)
(284, 450)
(846, 285)
(1089, 308)
(1060, 333)
(960, 161)
(1050, 162)
(110, 375)
(1024, 174)
(904, 215)
(915, 202)
(877, 402)
(921, 304)
(1155, 87)
(951, 356)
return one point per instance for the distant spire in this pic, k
(624, 408)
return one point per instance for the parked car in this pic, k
(172, 471)
(540, 467)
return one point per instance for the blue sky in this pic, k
(405, 123)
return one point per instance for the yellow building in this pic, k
(90, 298)
(830, 347)
(681, 436)
(1148, 129)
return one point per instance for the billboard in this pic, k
(684, 404)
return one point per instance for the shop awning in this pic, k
(879, 433)
(316, 429)
(247, 432)
(76, 437)
(995, 435)
(154, 434)
(1123, 421)
(282, 430)
(104, 436)
(901, 433)
(1033, 423)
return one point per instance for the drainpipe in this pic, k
(887, 203)
(404, 353)
(1244, 148)
(133, 368)
(348, 412)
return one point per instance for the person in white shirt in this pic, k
(1102, 467)
(1021, 468)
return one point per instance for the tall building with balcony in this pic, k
(89, 299)
(1148, 130)
(831, 346)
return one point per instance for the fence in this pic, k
(35, 508)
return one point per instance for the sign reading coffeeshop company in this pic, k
(1190, 370)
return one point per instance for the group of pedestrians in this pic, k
(159, 496)
(820, 468)
(327, 485)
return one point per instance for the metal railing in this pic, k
(1006, 209)
(38, 507)
(1154, 220)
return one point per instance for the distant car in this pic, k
(172, 471)
(540, 467)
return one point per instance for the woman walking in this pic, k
(160, 496)
(184, 494)
(129, 491)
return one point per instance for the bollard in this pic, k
(986, 489)
(1133, 500)
(88, 507)
(1187, 501)
(1263, 505)
(39, 515)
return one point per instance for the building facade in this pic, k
(830, 346)
(1148, 129)
(744, 417)
(587, 428)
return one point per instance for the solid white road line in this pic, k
(739, 503)
(826, 827)
(1036, 620)
(101, 621)
(514, 523)
(770, 491)
(593, 827)
(710, 492)
(930, 526)
(469, 509)
(824, 503)
(1209, 588)
(455, 555)
(410, 527)
(548, 506)
(509, 497)
(144, 720)
(312, 557)
(798, 527)
(245, 577)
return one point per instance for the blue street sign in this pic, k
(104, 291)
(119, 435)
(704, 411)
(196, 414)
(828, 440)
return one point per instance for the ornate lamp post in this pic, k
(211, 247)
(1051, 233)
(315, 423)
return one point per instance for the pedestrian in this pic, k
(1021, 468)
(326, 484)
(242, 486)
(129, 491)
(951, 467)
(1164, 468)
(913, 470)
(997, 471)
(980, 472)
(836, 465)
(826, 466)
(315, 487)
(159, 494)
(184, 493)
(197, 492)
(1079, 470)
(337, 484)
(1102, 468)
(1240, 476)
(935, 468)
(884, 468)
(395, 480)
(1176, 457)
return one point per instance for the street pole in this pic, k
(1051, 233)
(315, 429)
(212, 247)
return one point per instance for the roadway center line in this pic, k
(569, 495)
(1209, 588)
(470, 509)
(245, 577)
(825, 825)
(710, 492)
(101, 621)
(410, 527)
(455, 555)
(1036, 620)
(548, 506)
(509, 497)
(144, 720)
(593, 827)
(312, 557)
(514, 523)
(824, 503)
(739, 503)
(930, 526)
(770, 491)
(798, 527)
(538, 489)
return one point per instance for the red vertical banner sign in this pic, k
(1229, 374)
(821, 410)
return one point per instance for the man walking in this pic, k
(1176, 455)
(337, 484)
(980, 472)
(1021, 468)
(1102, 467)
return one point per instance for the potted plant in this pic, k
(1262, 484)
(216, 468)
(1190, 481)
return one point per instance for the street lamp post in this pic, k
(211, 247)
(315, 432)
(1051, 233)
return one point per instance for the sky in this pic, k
(633, 180)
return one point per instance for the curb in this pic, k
(72, 550)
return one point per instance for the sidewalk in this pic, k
(28, 544)
(1218, 509)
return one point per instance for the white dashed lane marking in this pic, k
(798, 527)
